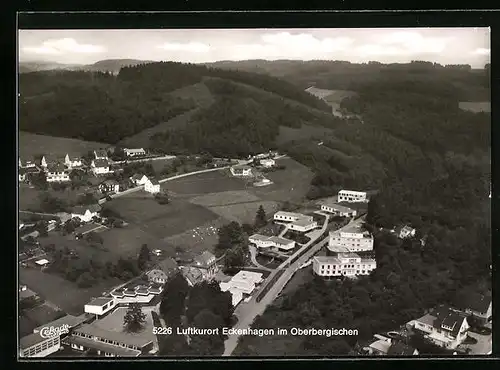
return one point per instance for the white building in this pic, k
(86, 213)
(345, 264)
(152, 186)
(337, 209)
(134, 152)
(100, 306)
(267, 163)
(100, 166)
(406, 232)
(57, 173)
(157, 276)
(351, 240)
(243, 283)
(303, 224)
(443, 327)
(48, 160)
(72, 161)
(351, 196)
(139, 179)
(241, 171)
(26, 164)
(262, 241)
(287, 216)
(42, 263)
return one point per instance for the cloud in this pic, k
(305, 42)
(481, 51)
(404, 43)
(194, 47)
(63, 46)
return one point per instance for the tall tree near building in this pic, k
(134, 318)
(260, 218)
(144, 257)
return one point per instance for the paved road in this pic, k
(144, 159)
(247, 312)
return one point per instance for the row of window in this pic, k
(342, 267)
(41, 347)
(350, 272)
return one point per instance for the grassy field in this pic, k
(29, 197)
(160, 220)
(127, 241)
(64, 294)
(81, 247)
(475, 107)
(288, 134)
(245, 212)
(290, 184)
(204, 183)
(31, 145)
(224, 198)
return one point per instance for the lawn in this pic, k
(290, 184)
(160, 220)
(31, 145)
(204, 183)
(43, 314)
(224, 198)
(198, 239)
(64, 294)
(245, 212)
(127, 241)
(29, 197)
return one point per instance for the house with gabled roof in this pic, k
(241, 171)
(57, 173)
(109, 186)
(72, 161)
(24, 172)
(399, 349)
(405, 232)
(26, 164)
(207, 264)
(139, 179)
(134, 152)
(100, 166)
(477, 305)
(49, 160)
(86, 213)
(152, 186)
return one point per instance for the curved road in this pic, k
(247, 312)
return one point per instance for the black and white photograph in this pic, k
(257, 192)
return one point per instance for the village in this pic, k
(329, 237)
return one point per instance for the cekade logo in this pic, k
(51, 331)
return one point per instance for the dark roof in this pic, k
(100, 153)
(476, 302)
(400, 349)
(25, 170)
(101, 163)
(154, 181)
(74, 157)
(56, 167)
(448, 320)
(31, 340)
(137, 176)
(71, 321)
(168, 265)
(110, 182)
(50, 159)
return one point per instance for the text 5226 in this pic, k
(158, 330)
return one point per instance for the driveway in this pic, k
(483, 345)
(253, 255)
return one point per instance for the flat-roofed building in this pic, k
(303, 224)
(344, 264)
(351, 196)
(263, 241)
(337, 209)
(109, 338)
(242, 284)
(35, 345)
(352, 238)
(287, 216)
(134, 152)
(100, 306)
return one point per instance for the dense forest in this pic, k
(99, 106)
(430, 164)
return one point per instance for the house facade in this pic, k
(26, 164)
(101, 154)
(207, 264)
(241, 285)
(109, 186)
(100, 306)
(152, 186)
(406, 232)
(241, 171)
(344, 264)
(100, 167)
(351, 196)
(35, 345)
(48, 160)
(287, 216)
(350, 240)
(157, 276)
(24, 172)
(139, 179)
(478, 305)
(72, 161)
(444, 327)
(57, 173)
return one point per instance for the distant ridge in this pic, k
(106, 65)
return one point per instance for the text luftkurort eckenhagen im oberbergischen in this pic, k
(331, 332)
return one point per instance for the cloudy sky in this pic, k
(442, 45)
